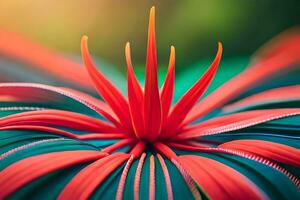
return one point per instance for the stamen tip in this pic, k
(172, 48)
(220, 49)
(152, 10)
(84, 38)
(172, 54)
(220, 46)
(152, 14)
(127, 52)
(127, 45)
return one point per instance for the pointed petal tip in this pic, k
(172, 50)
(84, 45)
(172, 58)
(84, 40)
(172, 53)
(151, 46)
(152, 10)
(127, 45)
(84, 37)
(128, 55)
(127, 49)
(218, 56)
(152, 17)
(220, 49)
(86, 53)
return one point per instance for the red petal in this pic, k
(273, 95)
(188, 179)
(89, 136)
(274, 151)
(39, 57)
(286, 40)
(219, 181)
(58, 118)
(165, 150)
(168, 87)
(105, 110)
(119, 194)
(185, 104)
(106, 89)
(284, 57)
(95, 136)
(41, 128)
(152, 105)
(90, 177)
(236, 121)
(135, 96)
(33, 92)
(138, 149)
(24, 171)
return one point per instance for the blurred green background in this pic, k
(194, 27)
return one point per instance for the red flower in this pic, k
(154, 136)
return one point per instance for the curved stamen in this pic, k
(135, 96)
(189, 99)
(168, 87)
(106, 89)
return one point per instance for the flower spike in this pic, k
(186, 103)
(152, 104)
(168, 87)
(135, 96)
(105, 88)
